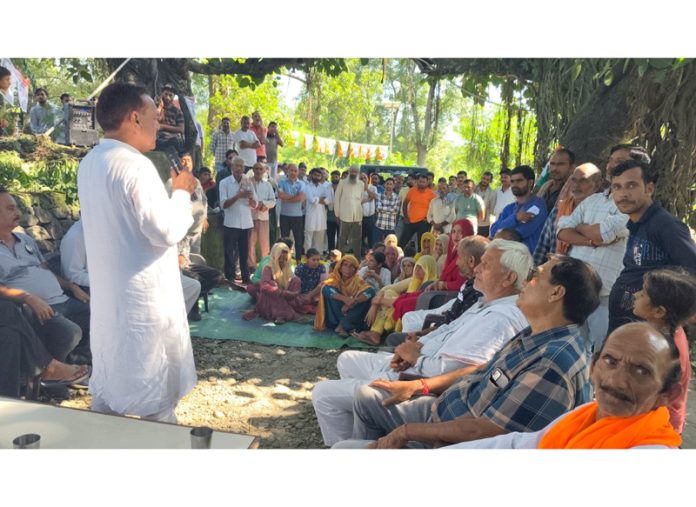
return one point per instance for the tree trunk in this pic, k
(656, 115)
(152, 74)
(507, 100)
(521, 117)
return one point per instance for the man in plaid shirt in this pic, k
(220, 141)
(540, 374)
(387, 211)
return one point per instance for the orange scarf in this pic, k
(351, 288)
(565, 208)
(580, 430)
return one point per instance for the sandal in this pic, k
(81, 372)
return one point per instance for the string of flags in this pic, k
(327, 146)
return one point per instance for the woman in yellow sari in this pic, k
(344, 299)
(380, 317)
(440, 253)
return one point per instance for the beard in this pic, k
(517, 192)
(353, 178)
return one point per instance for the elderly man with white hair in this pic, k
(467, 342)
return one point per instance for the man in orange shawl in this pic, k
(636, 376)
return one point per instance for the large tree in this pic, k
(589, 105)
(585, 104)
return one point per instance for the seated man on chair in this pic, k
(473, 248)
(636, 376)
(469, 341)
(23, 355)
(62, 321)
(537, 376)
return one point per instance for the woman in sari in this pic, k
(277, 291)
(406, 265)
(382, 316)
(392, 240)
(440, 253)
(392, 261)
(450, 278)
(344, 300)
(427, 245)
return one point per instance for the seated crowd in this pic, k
(539, 316)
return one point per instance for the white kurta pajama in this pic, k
(141, 347)
(315, 216)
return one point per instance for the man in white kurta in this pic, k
(469, 341)
(141, 347)
(318, 197)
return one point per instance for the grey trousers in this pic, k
(372, 420)
(349, 237)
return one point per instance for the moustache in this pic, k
(624, 202)
(616, 394)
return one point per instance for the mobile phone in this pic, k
(174, 160)
(176, 166)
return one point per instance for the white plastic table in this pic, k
(70, 428)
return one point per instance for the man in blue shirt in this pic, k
(291, 191)
(528, 214)
(657, 239)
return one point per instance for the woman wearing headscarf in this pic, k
(392, 261)
(406, 265)
(382, 316)
(450, 278)
(440, 252)
(277, 291)
(427, 245)
(392, 240)
(345, 299)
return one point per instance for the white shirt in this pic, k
(315, 213)
(237, 216)
(266, 196)
(471, 339)
(347, 203)
(607, 260)
(248, 154)
(442, 210)
(369, 207)
(141, 347)
(502, 199)
(73, 257)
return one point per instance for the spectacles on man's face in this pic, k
(532, 274)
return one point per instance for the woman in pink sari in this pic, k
(277, 292)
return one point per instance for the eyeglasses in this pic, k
(532, 274)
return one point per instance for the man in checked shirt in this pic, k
(540, 374)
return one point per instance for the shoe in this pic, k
(82, 374)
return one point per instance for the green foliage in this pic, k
(76, 76)
(345, 106)
(57, 174)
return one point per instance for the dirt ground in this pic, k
(253, 389)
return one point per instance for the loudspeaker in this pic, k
(81, 120)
